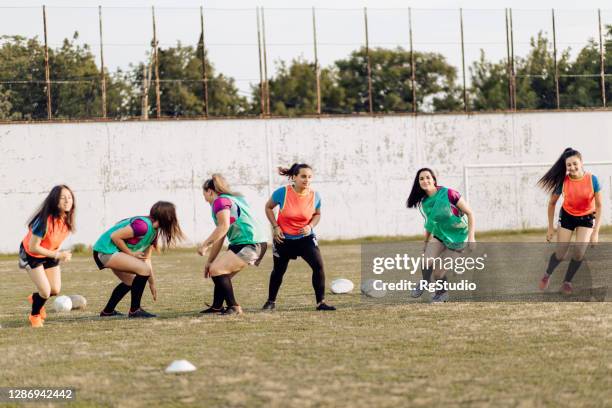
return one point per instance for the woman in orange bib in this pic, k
(293, 231)
(580, 212)
(39, 252)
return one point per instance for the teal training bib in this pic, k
(245, 229)
(441, 222)
(105, 244)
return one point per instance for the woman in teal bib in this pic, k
(247, 242)
(449, 222)
(126, 249)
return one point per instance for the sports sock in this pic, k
(225, 283)
(138, 286)
(553, 262)
(118, 293)
(218, 296)
(573, 267)
(427, 272)
(37, 303)
(443, 279)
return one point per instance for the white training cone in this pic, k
(78, 302)
(341, 285)
(180, 366)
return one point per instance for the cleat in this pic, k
(212, 310)
(325, 307)
(544, 282)
(140, 314)
(269, 305)
(417, 292)
(43, 312)
(111, 314)
(36, 320)
(233, 310)
(439, 297)
(567, 288)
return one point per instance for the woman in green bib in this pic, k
(449, 222)
(126, 249)
(247, 242)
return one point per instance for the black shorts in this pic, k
(570, 222)
(292, 248)
(26, 261)
(460, 247)
(102, 259)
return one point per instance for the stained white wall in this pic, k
(363, 167)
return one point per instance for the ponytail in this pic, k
(294, 170)
(556, 174)
(219, 185)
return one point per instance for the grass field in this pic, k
(363, 355)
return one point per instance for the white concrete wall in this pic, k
(363, 167)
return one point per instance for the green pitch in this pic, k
(363, 355)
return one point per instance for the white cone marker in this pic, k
(180, 366)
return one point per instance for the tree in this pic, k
(181, 86)
(75, 80)
(489, 84)
(293, 90)
(391, 85)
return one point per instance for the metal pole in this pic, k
(204, 68)
(47, 73)
(412, 64)
(512, 61)
(261, 83)
(369, 64)
(508, 65)
(556, 68)
(602, 69)
(265, 54)
(145, 93)
(465, 99)
(102, 76)
(156, 60)
(316, 67)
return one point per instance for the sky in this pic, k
(231, 29)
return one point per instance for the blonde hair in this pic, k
(218, 184)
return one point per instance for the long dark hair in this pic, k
(417, 194)
(169, 229)
(556, 174)
(294, 170)
(50, 207)
(219, 185)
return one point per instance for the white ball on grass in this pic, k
(78, 302)
(367, 288)
(341, 285)
(62, 304)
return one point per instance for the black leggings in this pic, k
(309, 251)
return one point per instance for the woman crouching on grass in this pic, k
(581, 207)
(126, 249)
(293, 230)
(446, 227)
(39, 252)
(247, 243)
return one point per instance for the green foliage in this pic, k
(391, 86)
(182, 88)
(293, 91)
(76, 90)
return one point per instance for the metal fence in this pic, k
(300, 30)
